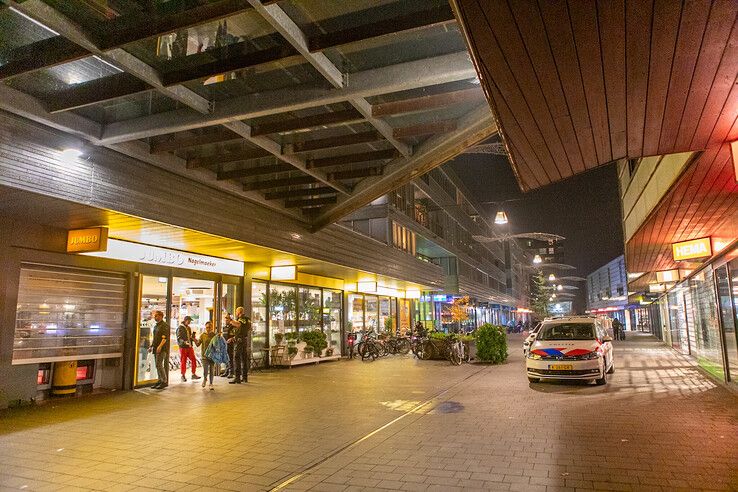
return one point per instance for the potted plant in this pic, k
(278, 337)
(307, 352)
(329, 351)
(291, 352)
(389, 325)
(315, 339)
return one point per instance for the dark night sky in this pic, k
(584, 209)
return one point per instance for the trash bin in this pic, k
(64, 381)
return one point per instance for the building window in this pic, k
(403, 238)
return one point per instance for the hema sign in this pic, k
(154, 255)
(689, 250)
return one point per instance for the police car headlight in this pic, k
(534, 356)
(591, 355)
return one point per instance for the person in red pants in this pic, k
(186, 351)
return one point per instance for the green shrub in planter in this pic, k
(437, 335)
(316, 339)
(491, 344)
(291, 352)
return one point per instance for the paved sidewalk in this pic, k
(658, 424)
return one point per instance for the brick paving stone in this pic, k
(658, 424)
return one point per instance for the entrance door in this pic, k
(727, 297)
(153, 298)
(194, 298)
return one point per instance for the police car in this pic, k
(573, 347)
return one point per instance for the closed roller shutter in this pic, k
(68, 314)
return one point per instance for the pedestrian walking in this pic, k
(186, 350)
(160, 347)
(208, 365)
(241, 346)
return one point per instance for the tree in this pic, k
(459, 312)
(539, 295)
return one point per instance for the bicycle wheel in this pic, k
(402, 346)
(362, 350)
(454, 355)
(417, 348)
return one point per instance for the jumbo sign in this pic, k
(688, 250)
(87, 240)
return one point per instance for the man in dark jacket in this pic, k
(241, 346)
(186, 350)
(228, 332)
(160, 348)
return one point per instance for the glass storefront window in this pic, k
(310, 305)
(282, 309)
(371, 313)
(356, 312)
(708, 348)
(258, 315)
(404, 318)
(678, 320)
(153, 298)
(332, 302)
(385, 315)
(228, 301)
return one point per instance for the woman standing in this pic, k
(208, 366)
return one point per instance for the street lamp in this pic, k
(551, 277)
(559, 287)
(537, 259)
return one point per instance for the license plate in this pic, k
(561, 367)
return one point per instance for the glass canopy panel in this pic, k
(44, 83)
(17, 31)
(129, 107)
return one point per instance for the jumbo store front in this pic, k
(89, 315)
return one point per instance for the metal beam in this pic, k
(275, 149)
(323, 119)
(276, 195)
(294, 35)
(478, 125)
(375, 155)
(310, 202)
(424, 103)
(254, 171)
(188, 141)
(279, 183)
(96, 91)
(394, 78)
(211, 160)
(41, 54)
(440, 14)
(332, 142)
(356, 173)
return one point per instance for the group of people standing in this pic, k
(232, 347)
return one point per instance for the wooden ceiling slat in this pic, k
(279, 183)
(424, 103)
(561, 40)
(638, 16)
(715, 129)
(310, 202)
(525, 152)
(612, 26)
(722, 19)
(523, 173)
(223, 158)
(254, 171)
(352, 158)
(323, 190)
(585, 28)
(332, 142)
(421, 129)
(691, 31)
(518, 61)
(489, 50)
(663, 41)
(530, 25)
(356, 173)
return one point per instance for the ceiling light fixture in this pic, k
(537, 259)
(70, 155)
(501, 218)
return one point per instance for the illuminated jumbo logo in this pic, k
(696, 248)
(162, 257)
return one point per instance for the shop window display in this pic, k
(356, 312)
(727, 298)
(153, 298)
(258, 315)
(310, 305)
(282, 309)
(371, 313)
(386, 319)
(332, 301)
(678, 320)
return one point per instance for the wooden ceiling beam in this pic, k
(336, 117)
(353, 158)
(96, 91)
(426, 129)
(424, 103)
(121, 31)
(356, 173)
(226, 157)
(180, 143)
(311, 202)
(254, 171)
(322, 190)
(332, 142)
(279, 183)
(436, 15)
(41, 54)
(229, 58)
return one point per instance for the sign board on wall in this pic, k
(154, 255)
(87, 240)
(689, 250)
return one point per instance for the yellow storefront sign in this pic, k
(87, 240)
(688, 250)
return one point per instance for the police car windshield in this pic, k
(567, 331)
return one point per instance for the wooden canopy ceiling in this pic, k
(575, 85)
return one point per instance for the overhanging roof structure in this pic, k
(310, 108)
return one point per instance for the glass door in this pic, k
(194, 298)
(332, 306)
(728, 300)
(153, 298)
